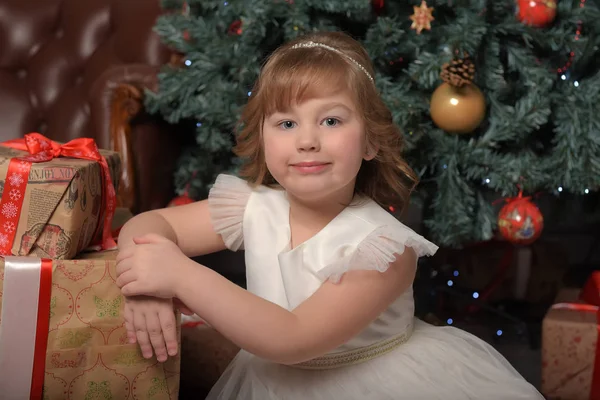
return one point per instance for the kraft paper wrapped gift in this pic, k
(57, 199)
(62, 334)
(570, 351)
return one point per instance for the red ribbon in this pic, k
(591, 295)
(41, 336)
(27, 282)
(43, 149)
(591, 290)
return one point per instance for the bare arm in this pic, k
(313, 328)
(189, 226)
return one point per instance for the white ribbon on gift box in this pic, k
(18, 328)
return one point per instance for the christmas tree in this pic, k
(492, 96)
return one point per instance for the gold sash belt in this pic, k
(356, 356)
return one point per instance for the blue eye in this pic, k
(287, 124)
(331, 122)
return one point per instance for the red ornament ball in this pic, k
(378, 5)
(520, 221)
(536, 13)
(235, 28)
(180, 201)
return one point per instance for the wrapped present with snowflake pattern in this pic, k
(56, 199)
(62, 334)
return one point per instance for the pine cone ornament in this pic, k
(459, 72)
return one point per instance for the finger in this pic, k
(169, 331)
(139, 322)
(156, 335)
(123, 266)
(125, 254)
(125, 279)
(131, 289)
(129, 323)
(149, 238)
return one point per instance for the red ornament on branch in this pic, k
(180, 200)
(537, 13)
(520, 221)
(184, 198)
(235, 28)
(378, 6)
(569, 62)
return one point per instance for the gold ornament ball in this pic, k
(457, 109)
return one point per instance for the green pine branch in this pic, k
(542, 127)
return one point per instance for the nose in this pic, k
(308, 139)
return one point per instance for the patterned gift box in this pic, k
(73, 345)
(570, 351)
(56, 199)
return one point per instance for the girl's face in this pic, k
(315, 149)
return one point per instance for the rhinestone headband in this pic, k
(311, 44)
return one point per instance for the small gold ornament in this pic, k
(457, 105)
(422, 17)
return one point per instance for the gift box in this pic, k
(570, 351)
(57, 199)
(62, 334)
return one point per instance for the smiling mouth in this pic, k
(310, 167)
(309, 164)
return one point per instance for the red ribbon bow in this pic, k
(43, 149)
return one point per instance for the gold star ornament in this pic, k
(422, 17)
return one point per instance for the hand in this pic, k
(152, 267)
(151, 322)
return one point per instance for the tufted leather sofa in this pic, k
(77, 68)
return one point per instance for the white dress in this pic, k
(396, 357)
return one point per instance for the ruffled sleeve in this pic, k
(227, 201)
(377, 251)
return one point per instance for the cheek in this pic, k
(349, 147)
(270, 146)
(274, 151)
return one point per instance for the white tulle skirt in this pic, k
(435, 363)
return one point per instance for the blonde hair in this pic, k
(295, 73)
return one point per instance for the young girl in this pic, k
(328, 313)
